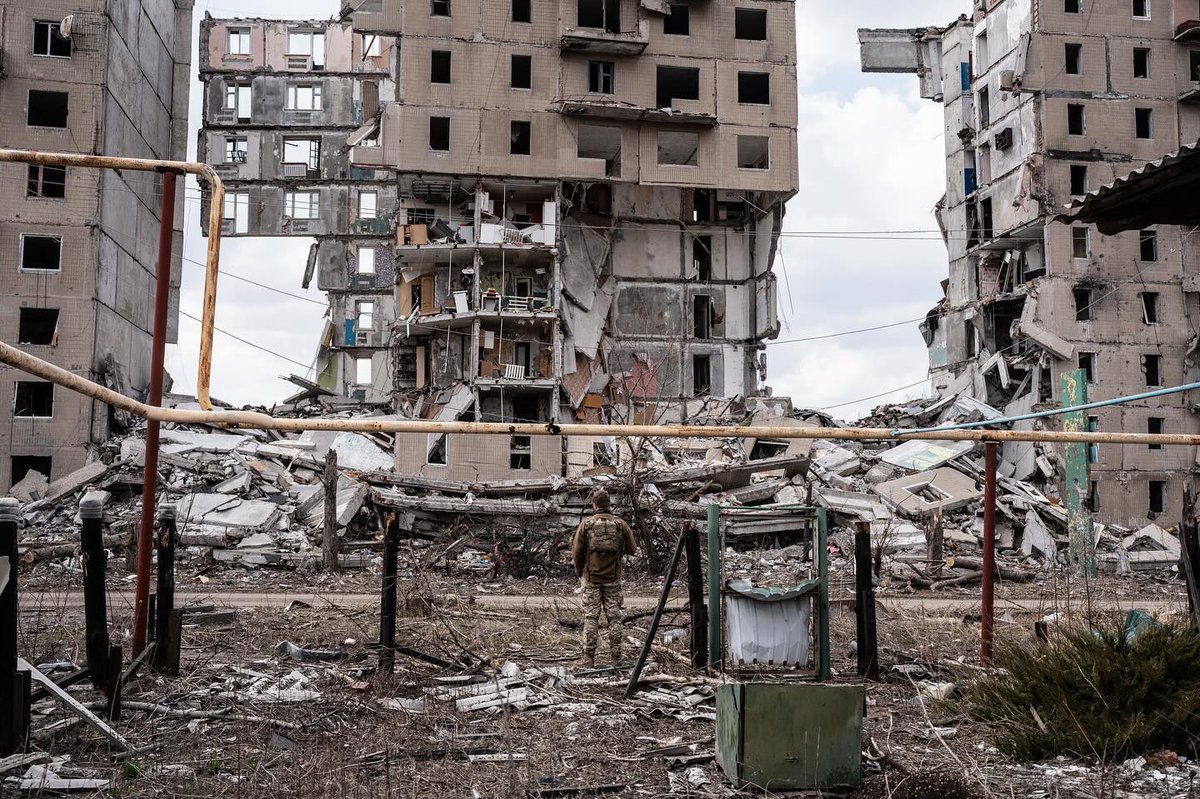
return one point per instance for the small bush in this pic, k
(1093, 693)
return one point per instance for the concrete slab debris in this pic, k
(919, 455)
(221, 510)
(32, 487)
(75, 481)
(927, 492)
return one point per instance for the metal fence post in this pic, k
(95, 611)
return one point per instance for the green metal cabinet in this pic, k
(799, 736)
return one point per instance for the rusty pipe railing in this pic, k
(261, 421)
(213, 257)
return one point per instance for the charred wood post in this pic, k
(696, 605)
(330, 542)
(868, 647)
(166, 649)
(95, 611)
(387, 597)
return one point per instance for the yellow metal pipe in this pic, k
(212, 260)
(261, 421)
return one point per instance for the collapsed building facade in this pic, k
(1045, 101)
(575, 214)
(79, 246)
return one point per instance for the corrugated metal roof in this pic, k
(1145, 196)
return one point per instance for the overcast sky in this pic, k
(870, 160)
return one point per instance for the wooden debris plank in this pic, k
(71, 703)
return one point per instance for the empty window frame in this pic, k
(753, 152)
(236, 148)
(701, 374)
(602, 77)
(439, 66)
(439, 8)
(1158, 496)
(678, 148)
(41, 253)
(47, 109)
(520, 137)
(522, 10)
(1076, 120)
(372, 45)
(46, 181)
(1155, 426)
(750, 24)
(1148, 245)
(237, 99)
(987, 219)
(1087, 362)
(1079, 242)
(1083, 305)
(436, 454)
(520, 452)
(301, 204)
(237, 210)
(702, 257)
(677, 22)
(1150, 307)
(985, 107)
(237, 41)
(521, 72)
(1073, 58)
(754, 88)
(1078, 179)
(302, 152)
(439, 134)
(364, 315)
(1092, 502)
(676, 83)
(1141, 9)
(33, 399)
(365, 262)
(1141, 62)
(1194, 65)
(702, 316)
(1093, 449)
(368, 204)
(1143, 119)
(422, 216)
(362, 371)
(1152, 366)
(602, 143)
(304, 97)
(605, 14)
(22, 465)
(309, 43)
(1072, 6)
(38, 326)
(49, 41)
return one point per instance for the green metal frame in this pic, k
(716, 647)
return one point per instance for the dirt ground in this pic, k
(338, 729)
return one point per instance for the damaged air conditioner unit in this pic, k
(1004, 139)
(295, 170)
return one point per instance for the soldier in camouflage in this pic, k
(600, 544)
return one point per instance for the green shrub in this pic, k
(1093, 693)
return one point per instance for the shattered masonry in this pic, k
(577, 220)
(1042, 106)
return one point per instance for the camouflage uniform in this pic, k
(599, 545)
(606, 597)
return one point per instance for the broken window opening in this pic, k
(1148, 245)
(750, 24)
(362, 371)
(1092, 502)
(307, 43)
(436, 455)
(1152, 365)
(1158, 496)
(237, 100)
(522, 11)
(304, 153)
(677, 22)
(602, 455)
(46, 181)
(1076, 124)
(1073, 58)
(754, 88)
(368, 202)
(1142, 118)
(1087, 362)
(48, 40)
(677, 83)
(440, 8)
(1141, 62)
(237, 41)
(927, 492)
(604, 14)
(521, 72)
(47, 109)
(985, 108)
(1194, 65)
(678, 148)
(1079, 242)
(422, 216)
(1083, 305)
(1071, 7)
(236, 149)
(701, 375)
(301, 204)
(604, 143)
(38, 326)
(303, 97)
(702, 257)
(1093, 449)
(985, 217)
(602, 77)
(1045, 383)
(22, 465)
(970, 338)
(33, 399)
(520, 137)
(364, 315)
(439, 66)
(702, 316)
(702, 205)
(1155, 426)
(41, 253)
(237, 211)
(365, 261)
(372, 45)
(520, 452)
(1078, 180)
(1141, 9)
(753, 152)
(439, 134)
(1150, 307)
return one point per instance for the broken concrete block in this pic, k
(351, 495)
(205, 442)
(1036, 538)
(861, 506)
(1152, 537)
(75, 481)
(257, 541)
(920, 455)
(927, 492)
(32, 487)
(234, 485)
(133, 450)
(222, 510)
(836, 460)
(354, 451)
(307, 497)
(879, 473)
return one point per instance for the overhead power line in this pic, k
(306, 367)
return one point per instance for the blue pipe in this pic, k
(1162, 392)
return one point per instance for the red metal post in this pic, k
(989, 554)
(162, 294)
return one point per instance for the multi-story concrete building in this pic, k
(1045, 100)
(587, 201)
(79, 247)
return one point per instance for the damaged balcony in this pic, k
(528, 404)
(517, 351)
(516, 284)
(606, 26)
(517, 216)
(437, 287)
(600, 108)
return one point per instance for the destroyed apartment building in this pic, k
(523, 212)
(1044, 102)
(78, 247)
